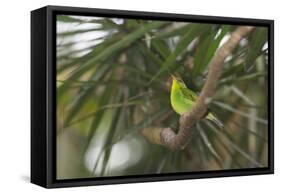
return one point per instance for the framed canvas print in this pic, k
(125, 96)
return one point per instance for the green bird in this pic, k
(182, 99)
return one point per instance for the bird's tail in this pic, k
(211, 117)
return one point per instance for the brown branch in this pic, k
(179, 141)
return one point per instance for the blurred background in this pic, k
(113, 80)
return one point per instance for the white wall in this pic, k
(15, 94)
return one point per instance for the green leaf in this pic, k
(256, 43)
(124, 42)
(71, 33)
(234, 79)
(147, 120)
(209, 145)
(233, 70)
(83, 96)
(207, 47)
(234, 110)
(176, 31)
(103, 108)
(148, 53)
(234, 146)
(95, 51)
(161, 48)
(190, 35)
(110, 134)
(104, 100)
(68, 19)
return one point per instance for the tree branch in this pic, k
(179, 141)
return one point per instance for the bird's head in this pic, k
(177, 82)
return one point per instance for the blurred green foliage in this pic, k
(113, 79)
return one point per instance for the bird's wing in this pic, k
(189, 94)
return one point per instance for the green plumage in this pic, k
(183, 99)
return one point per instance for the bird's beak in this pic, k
(172, 76)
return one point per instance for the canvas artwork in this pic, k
(151, 97)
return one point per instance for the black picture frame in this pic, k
(43, 96)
